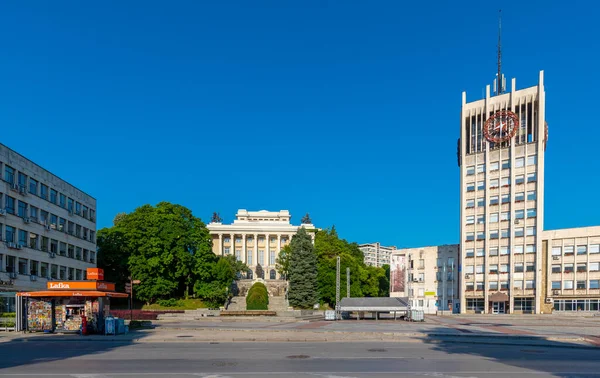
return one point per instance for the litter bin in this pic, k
(417, 315)
(120, 326)
(110, 326)
(329, 315)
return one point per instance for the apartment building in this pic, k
(256, 238)
(47, 226)
(572, 269)
(501, 157)
(427, 276)
(376, 254)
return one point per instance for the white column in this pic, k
(255, 252)
(220, 245)
(232, 244)
(243, 257)
(266, 254)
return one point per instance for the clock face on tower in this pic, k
(501, 126)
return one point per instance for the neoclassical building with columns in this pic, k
(256, 237)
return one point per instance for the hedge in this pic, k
(141, 314)
(258, 297)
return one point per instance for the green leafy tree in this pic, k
(282, 263)
(303, 291)
(112, 256)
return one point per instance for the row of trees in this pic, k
(170, 251)
(312, 269)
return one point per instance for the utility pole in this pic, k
(347, 282)
(337, 289)
(444, 305)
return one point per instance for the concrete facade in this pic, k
(47, 226)
(256, 237)
(502, 204)
(571, 269)
(431, 277)
(376, 254)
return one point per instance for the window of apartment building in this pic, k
(470, 269)
(531, 213)
(532, 177)
(93, 257)
(520, 179)
(569, 250)
(503, 268)
(470, 170)
(519, 162)
(518, 267)
(504, 250)
(22, 268)
(44, 216)
(505, 164)
(62, 249)
(470, 219)
(470, 203)
(470, 252)
(421, 277)
(470, 286)
(505, 216)
(568, 268)
(53, 196)
(475, 304)
(479, 286)
(85, 254)
(494, 200)
(594, 284)
(518, 284)
(530, 248)
(518, 250)
(85, 233)
(505, 182)
(33, 213)
(494, 217)
(481, 219)
(556, 251)
(10, 234)
(44, 191)
(78, 230)
(519, 232)
(421, 264)
(33, 267)
(77, 208)
(519, 214)
(556, 268)
(480, 235)
(261, 257)
(556, 285)
(70, 204)
(530, 267)
(582, 249)
(33, 186)
(480, 202)
(471, 187)
(78, 274)
(22, 238)
(92, 215)
(581, 267)
(530, 231)
(22, 211)
(494, 234)
(70, 228)
(493, 251)
(84, 211)
(529, 284)
(9, 174)
(92, 236)
(568, 285)
(480, 185)
(493, 285)
(9, 205)
(438, 275)
(524, 304)
(505, 198)
(11, 264)
(494, 166)
(493, 269)
(53, 246)
(33, 240)
(581, 284)
(494, 183)
(62, 200)
(238, 254)
(272, 257)
(505, 233)
(78, 253)
(531, 195)
(594, 267)
(71, 274)
(480, 252)
(470, 236)
(532, 160)
(62, 224)
(62, 272)
(53, 221)
(22, 181)
(54, 272)
(520, 197)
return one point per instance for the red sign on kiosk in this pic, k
(95, 274)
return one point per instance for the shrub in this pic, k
(171, 302)
(257, 298)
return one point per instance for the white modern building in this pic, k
(376, 254)
(501, 157)
(47, 226)
(427, 276)
(256, 238)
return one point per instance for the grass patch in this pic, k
(176, 304)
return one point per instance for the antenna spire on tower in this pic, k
(500, 78)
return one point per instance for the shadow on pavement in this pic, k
(559, 358)
(29, 349)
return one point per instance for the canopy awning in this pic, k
(72, 293)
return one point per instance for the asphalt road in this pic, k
(328, 360)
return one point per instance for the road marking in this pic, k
(441, 375)
(395, 373)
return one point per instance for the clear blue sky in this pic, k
(348, 110)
